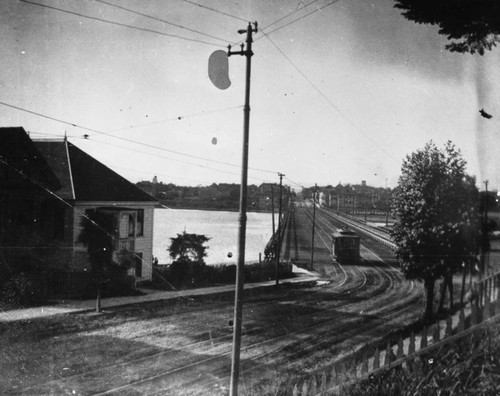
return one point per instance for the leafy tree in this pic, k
(471, 25)
(188, 247)
(188, 252)
(435, 206)
(96, 235)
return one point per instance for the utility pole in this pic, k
(240, 270)
(313, 225)
(485, 231)
(272, 208)
(278, 241)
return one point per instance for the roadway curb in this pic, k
(58, 309)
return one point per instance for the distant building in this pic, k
(47, 187)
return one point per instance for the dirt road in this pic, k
(184, 347)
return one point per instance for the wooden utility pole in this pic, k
(313, 225)
(485, 231)
(240, 270)
(278, 236)
(272, 208)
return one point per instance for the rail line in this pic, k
(373, 287)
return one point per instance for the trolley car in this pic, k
(345, 247)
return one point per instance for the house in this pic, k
(68, 184)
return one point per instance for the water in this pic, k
(220, 227)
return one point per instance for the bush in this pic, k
(188, 274)
(25, 289)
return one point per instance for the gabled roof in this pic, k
(20, 154)
(83, 178)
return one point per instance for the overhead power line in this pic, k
(298, 19)
(327, 99)
(290, 14)
(291, 181)
(131, 140)
(122, 24)
(215, 10)
(161, 20)
(167, 158)
(178, 118)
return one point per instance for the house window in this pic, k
(131, 225)
(138, 265)
(140, 222)
(127, 225)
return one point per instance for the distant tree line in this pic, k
(223, 196)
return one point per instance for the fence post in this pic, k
(323, 385)
(364, 365)
(423, 338)
(388, 354)
(376, 359)
(314, 386)
(305, 388)
(474, 314)
(461, 320)
(435, 333)
(341, 374)
(449, 326)
(333, 377)
(486, 307)
(411, 347)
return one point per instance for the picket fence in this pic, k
(485, 307)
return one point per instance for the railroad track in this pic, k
(359, 301)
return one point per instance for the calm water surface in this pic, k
(220, 227)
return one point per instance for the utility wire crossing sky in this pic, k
(341, 91)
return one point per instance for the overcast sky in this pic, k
(341, 91)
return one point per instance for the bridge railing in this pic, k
(379, 236)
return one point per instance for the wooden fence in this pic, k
(483, 308)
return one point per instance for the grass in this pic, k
(470, 366)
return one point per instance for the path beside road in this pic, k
(75, 306)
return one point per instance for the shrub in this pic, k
(24, 289)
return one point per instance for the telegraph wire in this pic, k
(291, 181)
(178, 118)
(46, 116)
(217, 11)
(122, 24)
(326, 97)
(131, 140)
(52, 135)
(161, 20)
(174, 159)
(199, 182)
(297, 19)
(167, 158)
(289, 14)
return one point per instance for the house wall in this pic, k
(143, 244)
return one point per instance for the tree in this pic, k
(188, 247)
(471, 25)
(188, 252)
(96, 235)
(435, 207)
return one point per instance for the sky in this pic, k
(341, 91)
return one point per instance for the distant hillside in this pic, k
(222, 196)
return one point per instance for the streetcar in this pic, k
(345, 247)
